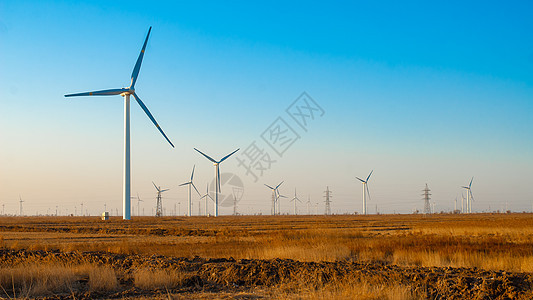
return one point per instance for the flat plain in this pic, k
(440, 256)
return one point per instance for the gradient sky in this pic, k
(420, 92)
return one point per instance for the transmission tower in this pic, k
(159, 207)
(327, 195)
(427, 205)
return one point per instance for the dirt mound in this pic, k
(226, 274)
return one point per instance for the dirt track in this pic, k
(228, 275)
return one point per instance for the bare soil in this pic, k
(252, 279)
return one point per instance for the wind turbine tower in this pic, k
(366, 192)
(327, 195)
(469, 196)
(190, 183)
(159, 205)
(126, 93)
(217, 174)
(427, 205)
(308, 204)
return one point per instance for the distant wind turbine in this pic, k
(207, 196)
(275, 197)
(365, 190)
(20, 201)
(138, 204)
(190, 183)
(294, 200)
(217, 174)
(469, 196)
(126, 92)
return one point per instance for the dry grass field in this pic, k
(479, 256)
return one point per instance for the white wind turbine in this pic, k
(275, 198)
(469, 196)
(294, 200)
(207, 196)
(365, 190)
(126, 92)
(217, 175)
(190, 183)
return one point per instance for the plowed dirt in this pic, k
(236, 276)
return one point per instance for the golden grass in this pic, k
(28, 281)
(359, 290)
(485, 241)
(154, 279)
(102, 279)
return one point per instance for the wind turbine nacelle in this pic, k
(127, 91)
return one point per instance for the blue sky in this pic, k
(420, 92)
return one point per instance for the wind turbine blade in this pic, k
(471, 182)
(465, 187)
(192, 174)
(164, 190)
(139, 198)
(269, 187)
(185, 183)
(471, 195)
(281, 196)
(155, 186)
(279, 184)
(195, 188)
(206, 156)
(367, 192)
(360, 179)
(151, 118)
(137, 67)
(225, 157)
(369, 175)
(99, 93)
